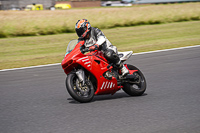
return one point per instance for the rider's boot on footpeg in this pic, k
(124, 71)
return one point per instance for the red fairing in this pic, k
(69, 62)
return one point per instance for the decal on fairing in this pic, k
(86, 61)
(107, 85)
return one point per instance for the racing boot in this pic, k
(123, 69)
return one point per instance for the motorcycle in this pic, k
(89, 74)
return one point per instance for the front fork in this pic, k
(81, 76)
(82, 83)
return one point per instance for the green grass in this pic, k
(39, 50)
(34, 23)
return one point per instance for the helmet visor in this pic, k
(80, 31)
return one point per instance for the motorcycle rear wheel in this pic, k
(138, 88)
(72, 84)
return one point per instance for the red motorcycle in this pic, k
(89, 74)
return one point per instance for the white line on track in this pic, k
(166, 50)
(29, 67)
(132, 54)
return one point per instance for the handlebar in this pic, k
(84, 50)
(87, 50)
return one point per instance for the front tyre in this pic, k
(79, 92)
(135, 87)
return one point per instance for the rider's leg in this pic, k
(112, 57)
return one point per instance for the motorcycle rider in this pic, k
(96, 40)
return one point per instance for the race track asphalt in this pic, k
(35, 100)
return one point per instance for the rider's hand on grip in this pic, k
(94, 47)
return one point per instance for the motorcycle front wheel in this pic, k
(135, 87)
(79, 92)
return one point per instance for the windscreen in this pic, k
(71, 46)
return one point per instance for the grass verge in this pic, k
(34, 23)
(40, 50)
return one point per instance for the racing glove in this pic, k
(94, 47)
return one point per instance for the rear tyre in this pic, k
(78, 92)
(135, 87)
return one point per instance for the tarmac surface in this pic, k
(35, 100)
